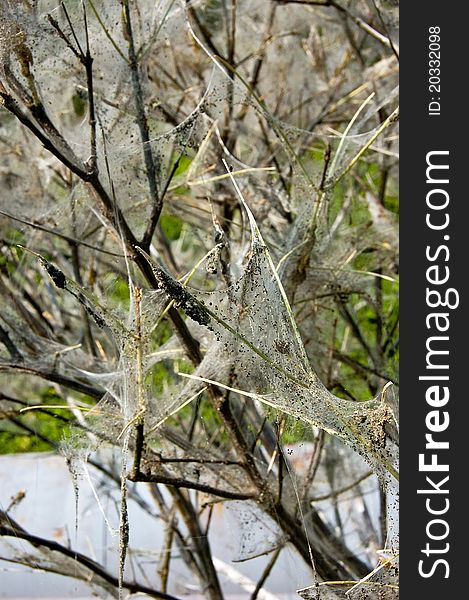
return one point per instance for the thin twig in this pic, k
(150, 164)
(88, 64)
(63, 236)
(9, 528)
(265, 574)
(13, 351)
(179, 482)
(51, 375)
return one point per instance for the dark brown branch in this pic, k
(177, 483)
(142, 123)
(265, 574)
(349, 318)
(384, 39)
(51, 375)
(6, 340)
(201, 543)
(385, 29)
(65, 155)
(361, 368)
(203, 30)
(184, 549)
(88, 64)
(112, 213)
(9, 528)
(61, 34)
(200, 461)
(44, 411)
(63, 236)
